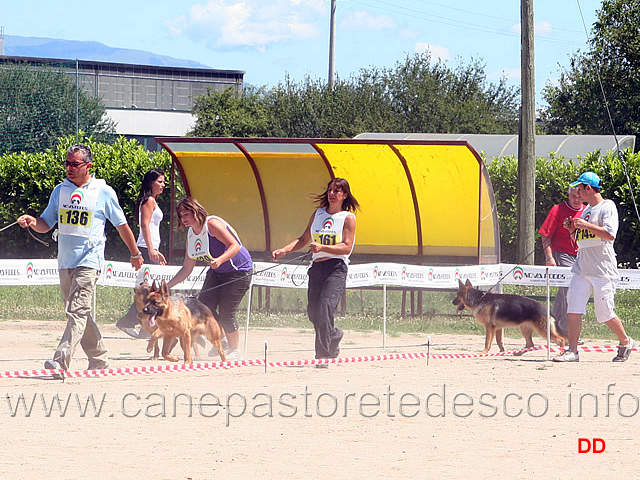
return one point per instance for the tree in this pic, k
(415, 96)
(38, 105)
(312, 109)
(612, 66)
(225, 114)
(431, 97)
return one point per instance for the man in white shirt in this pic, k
(595, 270)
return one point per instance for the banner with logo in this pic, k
(29, 272)
(120, 274)
(536, 275)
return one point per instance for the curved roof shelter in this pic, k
(423, 202)
(568, 146)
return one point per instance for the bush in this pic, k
(553, 176)
(27, 180)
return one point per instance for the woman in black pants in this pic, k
(332, 232)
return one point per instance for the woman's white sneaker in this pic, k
(232, 355)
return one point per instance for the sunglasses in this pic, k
(73, 164)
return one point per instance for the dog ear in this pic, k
(154, 288)
(468, 283)
(460, 283)
(164, 289)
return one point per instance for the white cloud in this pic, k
(363, 20)
(542, 29)
(176, 25)
(228, 24)
(437, 52)
(408, 34)
(552, 81)
(511, 74)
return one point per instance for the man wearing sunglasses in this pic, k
(81, 206)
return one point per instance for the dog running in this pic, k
(184, 319)
(496, 311)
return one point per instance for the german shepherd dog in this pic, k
(497, 311)
(141, 292)
(185, 319)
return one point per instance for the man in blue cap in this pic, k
(595, 269)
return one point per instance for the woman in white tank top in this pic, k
(331, 232)
(150, 215)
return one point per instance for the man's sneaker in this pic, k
(132, 332)
(105, 366)
(580, 341)
(567, 356)
(232, 355)
(143, 334)
(624, 351)
(53, 365)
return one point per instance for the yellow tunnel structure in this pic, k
(422, 202)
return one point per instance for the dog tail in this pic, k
(541, 328)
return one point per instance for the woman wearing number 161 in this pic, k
(332, 233)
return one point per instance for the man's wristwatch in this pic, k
(139, 255)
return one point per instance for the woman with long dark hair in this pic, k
(332, 233)
(149, 216)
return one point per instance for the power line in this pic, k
(460, 24)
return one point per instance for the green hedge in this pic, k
(26, 182)
(553, 176)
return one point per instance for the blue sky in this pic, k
(269, 39)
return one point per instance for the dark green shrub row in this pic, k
(553, 176)
(27, 179)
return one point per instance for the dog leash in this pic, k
(28, 230)
(8, 226)
(249, 274)
(506, 274)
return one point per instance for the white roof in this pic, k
(568, 146)
(152, 123)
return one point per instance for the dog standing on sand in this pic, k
(184, 319)
(140, 294)
(496, 311)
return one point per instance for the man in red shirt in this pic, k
(560, 250)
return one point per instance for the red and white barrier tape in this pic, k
(170, 368)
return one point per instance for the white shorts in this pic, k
(580, 290)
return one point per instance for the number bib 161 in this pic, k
(326, 239)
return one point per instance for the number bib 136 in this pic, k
(77, 207)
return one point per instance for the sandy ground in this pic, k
(453, 418)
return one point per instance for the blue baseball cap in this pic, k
(588, 178)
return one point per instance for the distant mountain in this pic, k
(72, 49)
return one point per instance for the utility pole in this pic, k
(525, 244)
(332, 43)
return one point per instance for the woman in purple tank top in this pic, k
(210, 239)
